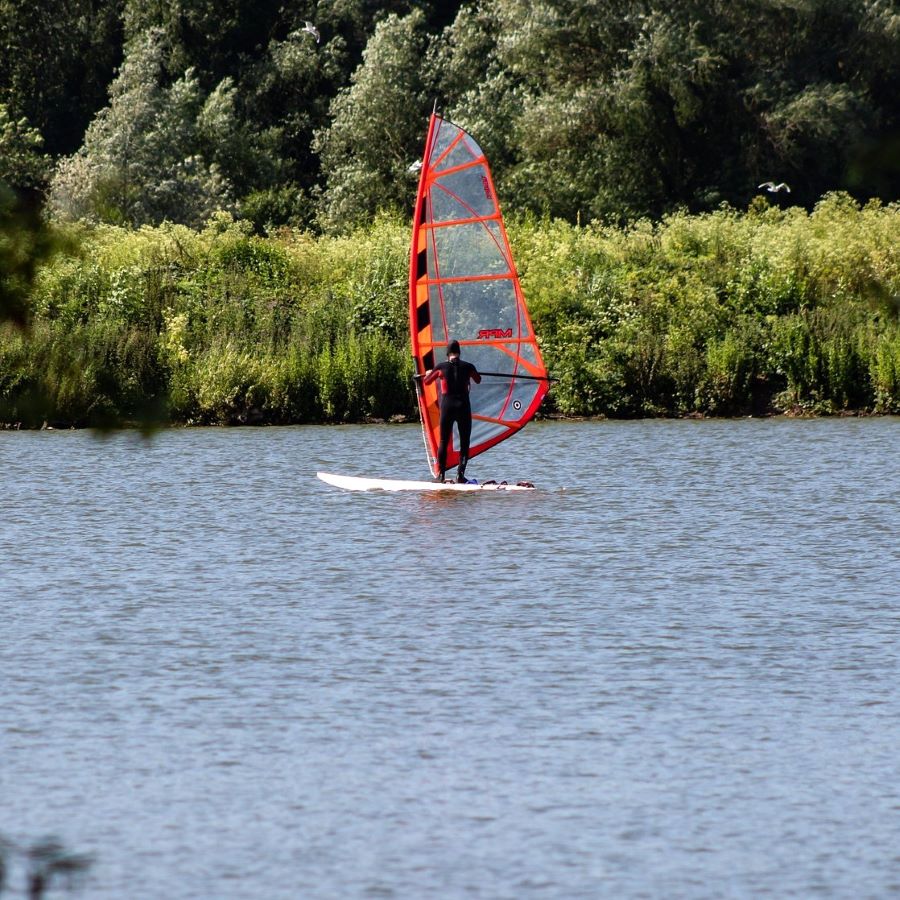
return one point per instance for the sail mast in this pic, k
(426, 395)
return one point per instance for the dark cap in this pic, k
(453, 347)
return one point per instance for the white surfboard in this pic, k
(354, 483)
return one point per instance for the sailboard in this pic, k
(463, 285)
(355, 483)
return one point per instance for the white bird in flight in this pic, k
(308, 26)
(415, 166)
(773, 188)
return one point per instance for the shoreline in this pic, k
(151, 428)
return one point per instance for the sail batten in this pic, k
(463, 285)
(474, 220)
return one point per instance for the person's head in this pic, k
(453, 349)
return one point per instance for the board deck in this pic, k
(354, 483)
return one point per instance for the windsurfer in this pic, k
(455, 375)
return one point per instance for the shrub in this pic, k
(716, 314)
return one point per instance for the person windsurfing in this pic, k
(455, 375)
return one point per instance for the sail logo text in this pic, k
(494, 334)
(487, 187)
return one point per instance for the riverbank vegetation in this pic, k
(724, 313)
(203, 207)
(136, 113)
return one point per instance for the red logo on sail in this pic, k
(494, 334)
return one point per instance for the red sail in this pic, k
(463, 285)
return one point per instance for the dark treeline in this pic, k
(134, 112)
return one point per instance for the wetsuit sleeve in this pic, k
(431, 376)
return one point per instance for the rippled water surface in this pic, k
(670, 672)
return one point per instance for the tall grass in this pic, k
(767, 310)
(214, 327)
(727, 313)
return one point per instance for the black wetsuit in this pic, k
(455, 407)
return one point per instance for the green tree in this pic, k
(212, 37)
(143, 157)
(377, 126)
(57, 58)
(22, 164)
(477, 88)
(284, 81)
(636, 108)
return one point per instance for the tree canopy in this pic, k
(137, 113)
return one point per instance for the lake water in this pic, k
(670, 672)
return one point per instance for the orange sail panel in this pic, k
(463, 285)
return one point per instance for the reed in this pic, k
(728, 313)
(767, 310)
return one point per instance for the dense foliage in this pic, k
(142, 113)
(226, 183)
(212, 326)
(721, 313)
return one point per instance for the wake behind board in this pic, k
(353, 483)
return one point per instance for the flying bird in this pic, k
(308, 26)
(415, 166)
(773, 188)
